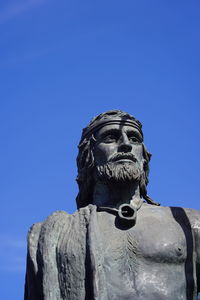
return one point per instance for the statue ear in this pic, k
(147, 155)
(86, 158)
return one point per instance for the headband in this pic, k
(99, 124)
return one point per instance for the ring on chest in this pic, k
(126, 214)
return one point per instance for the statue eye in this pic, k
(134, 139)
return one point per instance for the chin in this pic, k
(120, 172)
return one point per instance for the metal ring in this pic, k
(127, 214)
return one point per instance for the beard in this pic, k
(119, 173)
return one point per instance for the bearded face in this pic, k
(118, 155)
(121, 168)
(119, 172)
(114, 153)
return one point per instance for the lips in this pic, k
(124, 156)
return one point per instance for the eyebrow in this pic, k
(117, 131)
(110, 131)
(135, 133)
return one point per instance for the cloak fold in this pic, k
(65, 258)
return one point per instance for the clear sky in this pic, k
(63, 62)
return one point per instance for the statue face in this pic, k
(119, 144)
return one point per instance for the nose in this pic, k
(125, 145)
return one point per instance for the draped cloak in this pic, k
(64, 259)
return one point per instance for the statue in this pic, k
(119, 244)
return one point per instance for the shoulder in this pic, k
(194, 217)
(188, 215)
(51, 226)
(55, 217)
(179, 214)
(55, 223)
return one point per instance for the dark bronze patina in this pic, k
(119, 244)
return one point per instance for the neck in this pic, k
(113, 195)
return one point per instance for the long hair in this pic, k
(86, 165)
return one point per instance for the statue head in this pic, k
(98, 155)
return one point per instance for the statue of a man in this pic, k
(119, 244)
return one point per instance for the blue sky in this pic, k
(63, 62)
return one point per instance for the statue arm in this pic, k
(196, 229)
(33, 289)
(42, 271)
(194, 217)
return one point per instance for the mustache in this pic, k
(123, 155)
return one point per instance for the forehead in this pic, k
(119, 128)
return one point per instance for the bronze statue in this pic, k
(119, 244)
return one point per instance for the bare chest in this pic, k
(157, 236)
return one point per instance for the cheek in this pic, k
(102, 153)
(138, 152)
